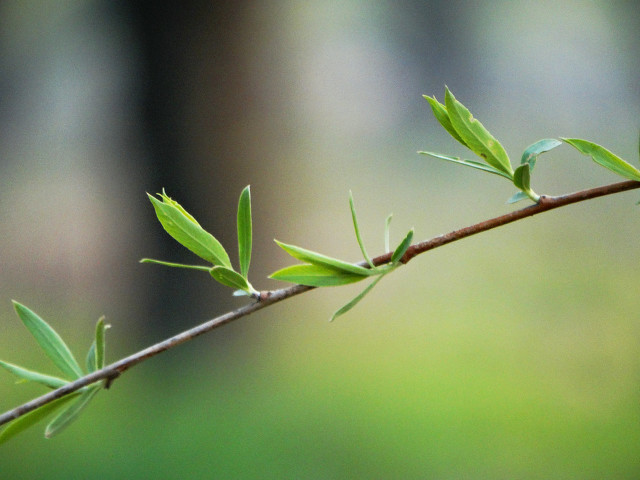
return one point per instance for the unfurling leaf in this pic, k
(604, 157)
(186, 231)
(475, 136)
(244, 231)
(316, 276)
(522, 178)
(50, 342)
(322, 260)
(531, 153)
(441, 114)
(402, 248)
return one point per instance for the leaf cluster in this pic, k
(456, 119)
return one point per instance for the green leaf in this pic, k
(68, 416)
(522, 177)
(357, 230)
(402, 248)
(324, 261)
(387, 228)
(244, 231)
(530, 155)
(31, 376)
(231, 278)
(604, 157)
(176, 265)
(186, 231)
(20, 424)
(441, 114)
(518, 197)
(49, 341)
(475, 136)
(100, 343)
(355, 300)
(91, 358)
(316, 276)
(468, 163)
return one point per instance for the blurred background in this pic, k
(513, 354)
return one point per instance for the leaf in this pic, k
(31, 376)
(186, 231)
(244, 231)
(91, 358)
(518, 197)
(468, 163)
(441, 114)
(522, 177)
(475, 136)
(402, 248)
(68, 416)
(530, 155)
(604, 157)
(315, 276)
(324, 261)
(357, 230)
(100, 343)
(231, 278)
(387, 227)
(49, 341)
(176, 265)
(344, 309)
(20, 424)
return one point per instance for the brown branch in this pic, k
(111, 372)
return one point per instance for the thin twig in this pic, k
(111, 372)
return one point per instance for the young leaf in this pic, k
(530, 155)
(475, 136)
(22, 423)
(186, 231)
(604, 157)
(49, 341)
(522, 178)
(344, 309)
(31, 376)
(441, 114)
(231, 278)
(91, 358)
(66, 417)
(387, 227)
(324, 261)
(316, 276)
(176, 265)
(100, 343)
(468, 163)
(518, 197)
(357, 230)
(244, 231)
(402, 248)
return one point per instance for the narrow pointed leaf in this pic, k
(518, 197)
(91, 358)
(324, 261)
(355, 300)
(387, 228)
(31, 376)
(402, 248)
(316, 276)
(441, 114)
(521, 177)
(175, 265)
(475, 136)
(468, 163)
(100, 343)
(530, 155)
(71, 413)
(244, 231)
(28, 420)
(604, 157)
(231, 278)
(186, 231)
(49, 341)
(357, 230)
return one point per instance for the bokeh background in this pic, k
(513, 354)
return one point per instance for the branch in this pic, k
(267, 298)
